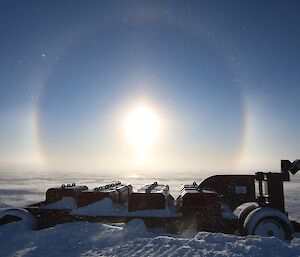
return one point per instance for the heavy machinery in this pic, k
(236, 204)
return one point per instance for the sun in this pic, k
(142, 128)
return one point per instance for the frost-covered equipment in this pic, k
(116, 191)
(221, 203)
(193, 200)
(58, 193)
(150, 197)
(234, 189)
(269, 218)
(265, 221)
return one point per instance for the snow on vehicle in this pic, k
(221, 203)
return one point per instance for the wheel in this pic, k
(20, 215)
(268, 222)
(270, 227)
(243, 211)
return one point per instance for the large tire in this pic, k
(19, 215)
(268, 222)
(242, 212)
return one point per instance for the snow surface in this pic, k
(3, 206)
(132, 239)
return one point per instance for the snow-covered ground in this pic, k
(131, 239)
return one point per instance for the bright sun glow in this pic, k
(142, 128)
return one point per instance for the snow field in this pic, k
(132, 239)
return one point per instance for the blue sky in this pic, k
(222, 79)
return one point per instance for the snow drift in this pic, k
(132, 239)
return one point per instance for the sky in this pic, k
(149, 85)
